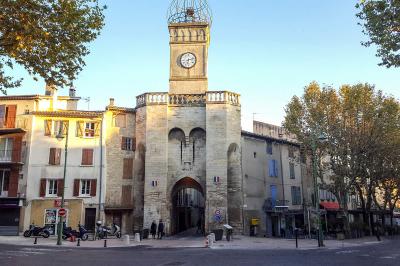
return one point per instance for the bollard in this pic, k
(79, 242)
(127, 240)
(105, 243)
(296, 234)
(35, 243)
(137, 237)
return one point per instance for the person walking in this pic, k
(160, 229)
(153, 229)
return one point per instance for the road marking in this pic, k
(347, 251)
(387, 257)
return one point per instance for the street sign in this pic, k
(62, 212)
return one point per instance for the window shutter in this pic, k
(79, 128)
(57, 158)
(93, 187)
(10, 116)
(47, 127)
(65, 125)
(123, 143)
(126, 196)
(52, 156)
(134, 144)
(13, 184)
(17, 148)
(60, 187)
(97, 129)
(42, 191)
(76, 187)
(127, 168)
(87, 156)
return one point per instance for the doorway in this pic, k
(188, 207)
(90, 219)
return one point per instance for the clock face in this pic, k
(188, 60)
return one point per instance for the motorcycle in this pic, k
(37, 231)
(68, 232)
(105, 231)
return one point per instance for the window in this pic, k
(120, 120)
(269, 147)
(272, 168)
(4, 182)
(87, 157)
(292, 172)
(60, 126)
(128, 144)
(55, 156)
(51, 187)
(6, 149)
(296, 196)
(255, 155)
(291, 152)
(90, 129)
(85, 188)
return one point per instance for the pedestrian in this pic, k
(199, 227)
(160, 229)
(153, 229)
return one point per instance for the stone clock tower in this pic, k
(189, 54)
(188, 166)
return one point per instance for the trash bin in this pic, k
(218, 234)
(146, 233)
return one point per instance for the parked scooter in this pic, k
(37, 231)
(105, 231)
(68, 232)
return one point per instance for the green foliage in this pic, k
(362, 151)
(49, 38)
(381, 22)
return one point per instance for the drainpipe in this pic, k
(101, 168)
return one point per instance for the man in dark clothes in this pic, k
(153, 229)
(160, 229)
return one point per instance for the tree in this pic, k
(362, 128)
(381, 22)
(49, 38)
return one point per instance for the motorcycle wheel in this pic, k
(119, 235)
(101, 235)
(45, 234)
(27, 233)
(85, 237)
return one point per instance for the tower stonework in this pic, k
(188, 38)
(190, 137)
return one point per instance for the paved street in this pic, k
(387, 253)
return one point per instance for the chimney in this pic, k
(111, 102)
(72, 92)
(50, 89)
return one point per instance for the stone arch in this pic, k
(176, 143)
(235, 200)
(188, 201)
(197, 140)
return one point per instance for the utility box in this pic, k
(255, 221)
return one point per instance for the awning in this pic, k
(330, 206)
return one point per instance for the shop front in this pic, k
(45, 213)
(9, 216)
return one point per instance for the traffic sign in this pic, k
(217, 212)
(62, 212)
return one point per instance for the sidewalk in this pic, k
(238, 242)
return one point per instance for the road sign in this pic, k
(218, 218)
(62, 212)
(217, 212)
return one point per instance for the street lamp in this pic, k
(60, 136)
(321, 138)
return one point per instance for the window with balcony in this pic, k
(296, 196)
(6, 149)
(4, 182)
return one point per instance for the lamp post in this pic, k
(321, 138)
(60, 137)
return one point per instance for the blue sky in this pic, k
(266, 50)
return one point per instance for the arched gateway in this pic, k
(187, 205)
